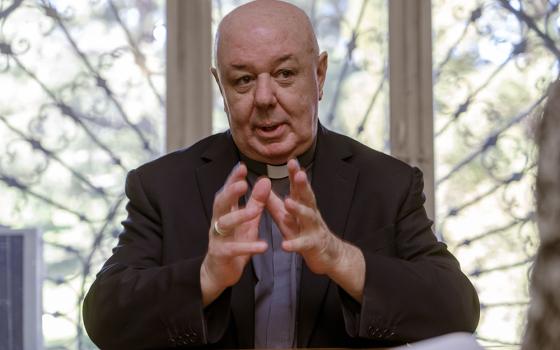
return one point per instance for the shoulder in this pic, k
(175, 175)
(187, 158)
(371, 163)
(382, 181)
(178, 169)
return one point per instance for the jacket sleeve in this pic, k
(420, 291)
(135, 301)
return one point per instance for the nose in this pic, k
(265, 96)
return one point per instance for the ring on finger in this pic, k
(218, 231)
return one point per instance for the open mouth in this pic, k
(270, 128)
(271, 131)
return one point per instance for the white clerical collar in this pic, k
(276, 172)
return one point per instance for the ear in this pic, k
(322, 65)
(214, 72)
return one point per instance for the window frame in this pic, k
(189, 105)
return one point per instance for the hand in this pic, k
(227, 255)
(302, 226)
(306, 233)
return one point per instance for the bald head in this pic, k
(259, 20)
(271, 76)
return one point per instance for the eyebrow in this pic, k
(277, 61)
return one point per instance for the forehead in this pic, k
(259, 47)
(259, 42)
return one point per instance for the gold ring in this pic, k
(218, 231)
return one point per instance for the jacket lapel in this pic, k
(221, 156)
(333, 181)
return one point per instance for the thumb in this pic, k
(286, 222)
(260, 193)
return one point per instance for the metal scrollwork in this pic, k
(492, 158)
(70, 129)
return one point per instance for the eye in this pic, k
(285, 74)
(244, 80)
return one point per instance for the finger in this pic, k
(228, 197)
(303, 189)
(230, 221)
(275, 205)
(234, 249)
(286, 222)
(293, 168)
(300, 188)
(299, 244)
(305, 214)
(238, 172)
(260, 193)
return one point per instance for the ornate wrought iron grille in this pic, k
(85, 104)
(354, 33)
(493, 61)
(81, 103)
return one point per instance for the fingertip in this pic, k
(238, 172)
(301, 177)
(261, 246)
(241, 187)
(241, 168)
(293, 164)
(263, 185)
(287, 246)
(265, 180)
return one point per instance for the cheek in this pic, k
(296, 101)
(240, 109)
(302, 109)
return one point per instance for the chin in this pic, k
(275, 155)
(275, 159)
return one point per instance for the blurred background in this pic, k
(84, 91)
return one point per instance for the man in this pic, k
(333, 249)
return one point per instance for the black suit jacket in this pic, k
(147, 294)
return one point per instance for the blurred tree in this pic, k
(493, 61)
(81, 103)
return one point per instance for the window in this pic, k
(81, 103)
(493, 61)
(86, 102)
